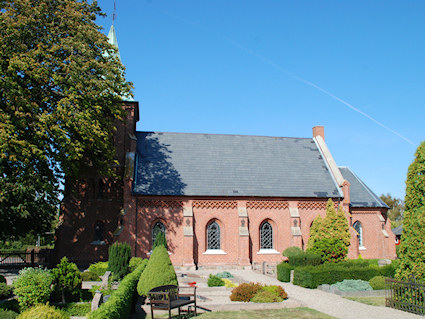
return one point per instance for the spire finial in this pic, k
(113, 14)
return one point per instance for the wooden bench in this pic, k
(170, 297)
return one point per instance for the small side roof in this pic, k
(191, 164)
(360, 194)
(398, 230)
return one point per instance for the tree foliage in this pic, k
(396, 210)
(60, 88)
(330, 236)
(411, 253)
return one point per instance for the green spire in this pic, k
(112, 39)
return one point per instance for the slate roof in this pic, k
(192, 164)
(360, 194)
(398, 230)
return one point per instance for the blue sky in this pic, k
(278, 68)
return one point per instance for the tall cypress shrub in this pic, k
(411, 253)
(119, 258)
(160, 240)
(330, 236)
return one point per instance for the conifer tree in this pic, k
(330, 236)
(412, 247)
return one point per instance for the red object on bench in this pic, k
(192, 284)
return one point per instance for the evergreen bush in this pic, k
(99, 268)
(292, 251)
(224, 274)
(352, 285)
(305, 258)
(119, 258)
(377, 283)
(5, 290)
(229, 284)
(7, 314)
(134, 263)
(245, 291)
(43, 312)
(67, 280)
(160, 240)
(284, 272)
(2, 279)
(90, 276)
(214, 281)
(277, 290)
(158, 272)
(32, 286)
(265, 296)
(122, 301)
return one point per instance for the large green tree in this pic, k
(412, 247)
(396, 210)
(330, 236)
(60, 88)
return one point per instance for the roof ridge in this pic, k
(223, 134)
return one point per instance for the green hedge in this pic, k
(284, 272)
(306, 258)
(120, 304)
(312, 277)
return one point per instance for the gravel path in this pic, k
(328, 303)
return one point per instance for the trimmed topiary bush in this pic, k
(244, 292)
(134, 263)
(352, 285)
(5, 290)
(119, 258)
(122, 301)
(292, 251)
(224, 274)
(284, 272)
(32, 286)
(160, 240)
(377, 283)
(265, 296)
(67, 280)
(7, 314)
(43, 312)
(90, 276)
(158, 272)
(99, 268)
(214, 281)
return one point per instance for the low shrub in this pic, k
(214, 281)
(119, 258)
(99, 268)
(224, 274)
(292, 251)
(284, 272)
(5, 290)
(352, 285)
(76, 309)
(67, 280)
(277, 290)
(43, 312)
(134, 263)
(7, 314)
(12, 305)
(32, 286)
(377, 283)
(312, 277)
(120, 304)
(244, 292)
(306, 258)
(229, 284)
(2, 279)
(90, 276)
(389, 270)
(265, 296)
(158, 272)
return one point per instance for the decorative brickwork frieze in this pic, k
(312, 205)
(161, 203)
(267, 204)
(215, 204)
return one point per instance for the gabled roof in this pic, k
(398, 230)
(230, 165)
(360, 194)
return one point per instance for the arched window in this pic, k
(158, 227)
(98, 232)
(213, 236)
(266, 236)
(359, 229)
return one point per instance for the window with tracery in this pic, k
(359, 229)
(213, 236)
(158, 227)
(266, 236)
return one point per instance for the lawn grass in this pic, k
(287, 313)
(372, 301)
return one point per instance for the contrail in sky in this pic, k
(278, 67)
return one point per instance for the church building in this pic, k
(229, 200)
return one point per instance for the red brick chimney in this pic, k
(319, 130)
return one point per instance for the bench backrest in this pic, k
(157, 293)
